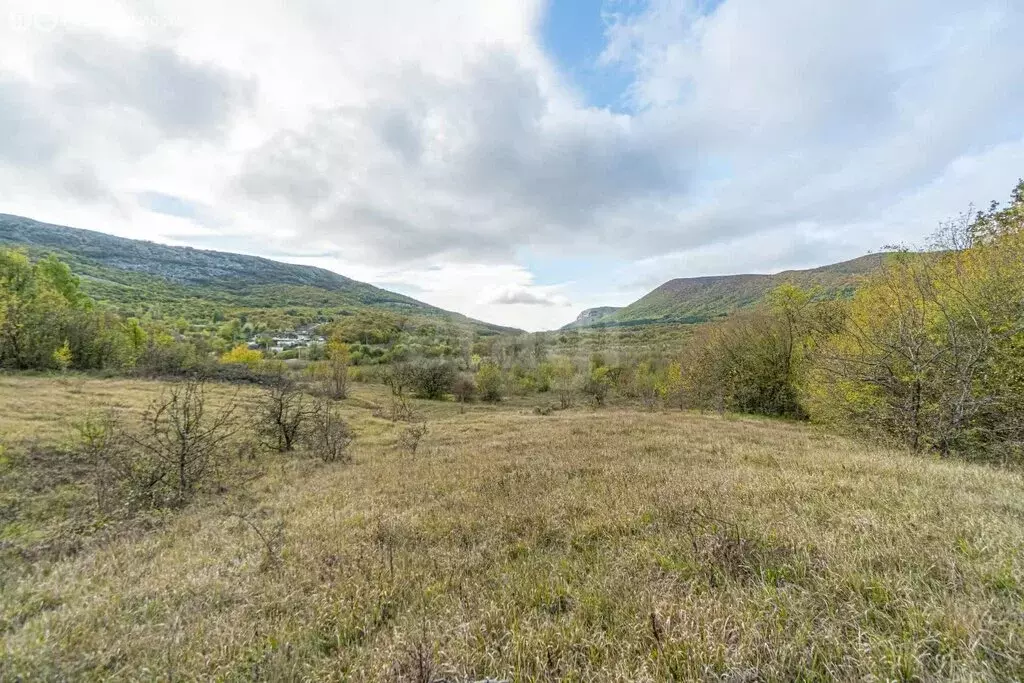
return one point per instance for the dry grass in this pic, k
(613, 545)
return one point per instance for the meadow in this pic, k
(580, 545)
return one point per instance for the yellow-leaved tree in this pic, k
(333, 372)
(931, 351)
(241, 354)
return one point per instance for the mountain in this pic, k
(591, 315)
(136, 274)
(701, 299)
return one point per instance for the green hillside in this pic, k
(702, 299)
(139, 278)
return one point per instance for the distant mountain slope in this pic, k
(701, 299)
(591, 315)
(127, 272)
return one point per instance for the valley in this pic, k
(220, 467)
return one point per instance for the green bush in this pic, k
(432, 378)
(489, 382)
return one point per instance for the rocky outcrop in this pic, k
(591, 316)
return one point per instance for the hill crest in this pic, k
(118, 268)
(702, 299)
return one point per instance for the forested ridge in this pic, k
(137, 277)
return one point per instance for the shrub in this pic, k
(281, 413)
(433, 378)
(644, 385)
(165, 357)
(489, 382)
(671, 387)
(464, 388)
(410, 439)
(597, 385)
(329, 435)
(182, 435)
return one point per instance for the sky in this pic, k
(517, 161)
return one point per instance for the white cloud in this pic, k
(426, 145)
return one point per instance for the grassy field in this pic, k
(581, 545)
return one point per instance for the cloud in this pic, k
(94, 112)
(179, 97)
(436, 145)
(465, 169)
(528, 298)
(24, 142)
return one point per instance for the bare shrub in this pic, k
(181, 436)
(329, 435)
(417, 664)
(411, 437)
(726, 553)
(397, 410)
(281, 413)
(399, 376)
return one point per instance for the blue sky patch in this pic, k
(170, 205)
(573, 34)
(554, 270)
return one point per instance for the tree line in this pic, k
(929, 352)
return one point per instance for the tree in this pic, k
(931, 353)
(334, 374)
(241, 354)
(598, 384)
(489, 382)
(563, 381)
(136, 338)
(231, 331)
(62, 357)
(41, 308)
(464, 388)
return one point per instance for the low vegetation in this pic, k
(588, 545)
